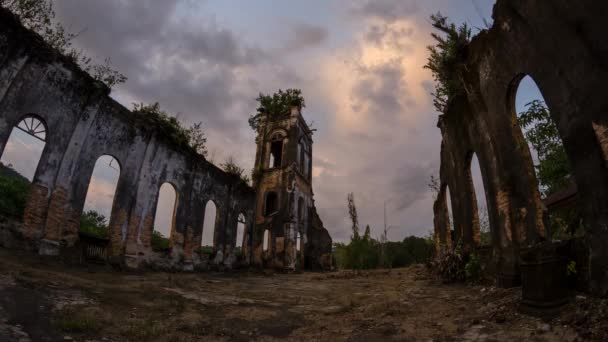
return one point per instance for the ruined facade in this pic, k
(562, 45)
(288, 233)
(82, 123)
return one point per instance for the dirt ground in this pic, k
(41, 300)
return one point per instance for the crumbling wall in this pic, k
(84, 123)
(562, 45)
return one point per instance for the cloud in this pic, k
(387, 10)
(306, 35)
(365, 89)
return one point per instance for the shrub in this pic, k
(159, 242)
(473, 268)
(94, 223)
(206, 250)
(451, 266)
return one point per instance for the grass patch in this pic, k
(76, 321)
(144, 330)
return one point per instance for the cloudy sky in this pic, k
(358, 63)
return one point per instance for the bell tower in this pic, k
(282, 177)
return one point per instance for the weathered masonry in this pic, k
(288, 232)
(563, 46)
(82, 123)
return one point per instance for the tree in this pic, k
(231, 167)
(352, 212)
(434, 185)
(39, 16)
(193, 137)
(445, 58)
(276, 104)
(553, 168)
(94, 223)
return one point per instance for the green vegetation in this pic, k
(192, 137)
(159, 242)
(208, 250)
(553, 169)
(14, 191)
(76, 321)
(94, 223)
(231, 167)
(365, 252)
(39, 16)
(445, 59)
(275, 105)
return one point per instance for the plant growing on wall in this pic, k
(192, 137)
(445, 58)
(231, 167)
(276, 104)
(39, 16)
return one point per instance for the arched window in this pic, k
(240, 231)
(209, 224)
(271, 205)
(24, 147)
(550, 161)
(165, 216)
(266, 240)
(100, 197)
(482, 204)
(299, 241)
(542, 136)
(276, 150)
(448, 201)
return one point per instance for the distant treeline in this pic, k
(367, 253)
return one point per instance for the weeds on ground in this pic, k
(76, 321)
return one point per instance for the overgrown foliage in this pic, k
(39, 16)
(450, 265)
(275, 105)
(458, 265)
(14, 190)
(445, 58)
(231, 167)
(192, 137)
(94, 223)
(553, 169)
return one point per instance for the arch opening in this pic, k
(164, 219)
(100, 196)
(298, 241)
(209, 226)
(450, 218)
(485, 238)
(552, 168)
(266, 240)
(271, 204)
(240, 232)
(19, 162)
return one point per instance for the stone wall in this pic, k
(562, 45)
(84, 123)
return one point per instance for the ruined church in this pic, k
(42, 88)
